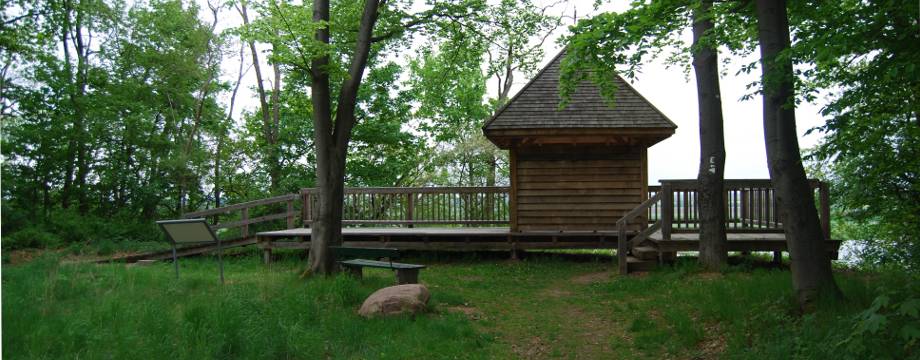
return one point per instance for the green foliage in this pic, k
(620, 43)
(133, 129)
(115, 128)
(872, 135)
(887, 329)
(82, 233)
(384, 151)
(449, 83)
(30, 237)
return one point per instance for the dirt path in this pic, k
(579, 326)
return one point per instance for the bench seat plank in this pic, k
(379, 264)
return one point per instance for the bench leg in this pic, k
(355, 271)
(777, 257)
(267, 255)
(407, 276)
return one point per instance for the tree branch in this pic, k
(348, 95)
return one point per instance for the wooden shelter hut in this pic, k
(581, 167)
(579, 180)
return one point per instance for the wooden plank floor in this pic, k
(736, 242)
(429, 238)
(501, 238)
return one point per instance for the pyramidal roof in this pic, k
(536, 106)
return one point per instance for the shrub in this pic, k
(105, 247)
(889, 328)
(30, 237)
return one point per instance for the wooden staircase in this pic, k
(644, 257)
(635, 264)
(637, 253)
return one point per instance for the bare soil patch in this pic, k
(713, 346)
(592, 278)
(535, 348)
(471, 312)
(22, 256)
(556, 292)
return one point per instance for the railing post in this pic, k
(667, 210)
(307, 209)
(621, 248)
(290, 213)
(745, 195)
(825, 198)
(244, 216)
(410, 208)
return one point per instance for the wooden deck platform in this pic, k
(736, 242)
(501, 238)
(429, 238)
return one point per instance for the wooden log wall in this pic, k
(567, 188)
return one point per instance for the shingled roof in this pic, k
(536, 106)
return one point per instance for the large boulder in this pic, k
(409, 298)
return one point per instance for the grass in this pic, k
(549, 305)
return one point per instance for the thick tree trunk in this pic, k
(331, 140)
(713, 254)
(326, 230)
(811, 267)
(327, 216)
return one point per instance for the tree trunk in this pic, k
(72, 141)
(82, 53)
(713, 254)
(274, 173)
(217, 182)
(327, 216)
(811, 268)
(331, 140)
(326, 230)
(268, 130)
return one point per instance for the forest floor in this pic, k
(547, 305)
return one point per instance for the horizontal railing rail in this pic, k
(246, 210)
(403, 206)
(750, 206)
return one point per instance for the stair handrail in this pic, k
(245, 220)
(622, 242)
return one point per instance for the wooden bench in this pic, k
(405, 273)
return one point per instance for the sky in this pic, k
(669, 89)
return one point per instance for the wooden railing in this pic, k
(397, 206)
(672, 207)
(750, 206)
(248, 215)
(624, 245)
